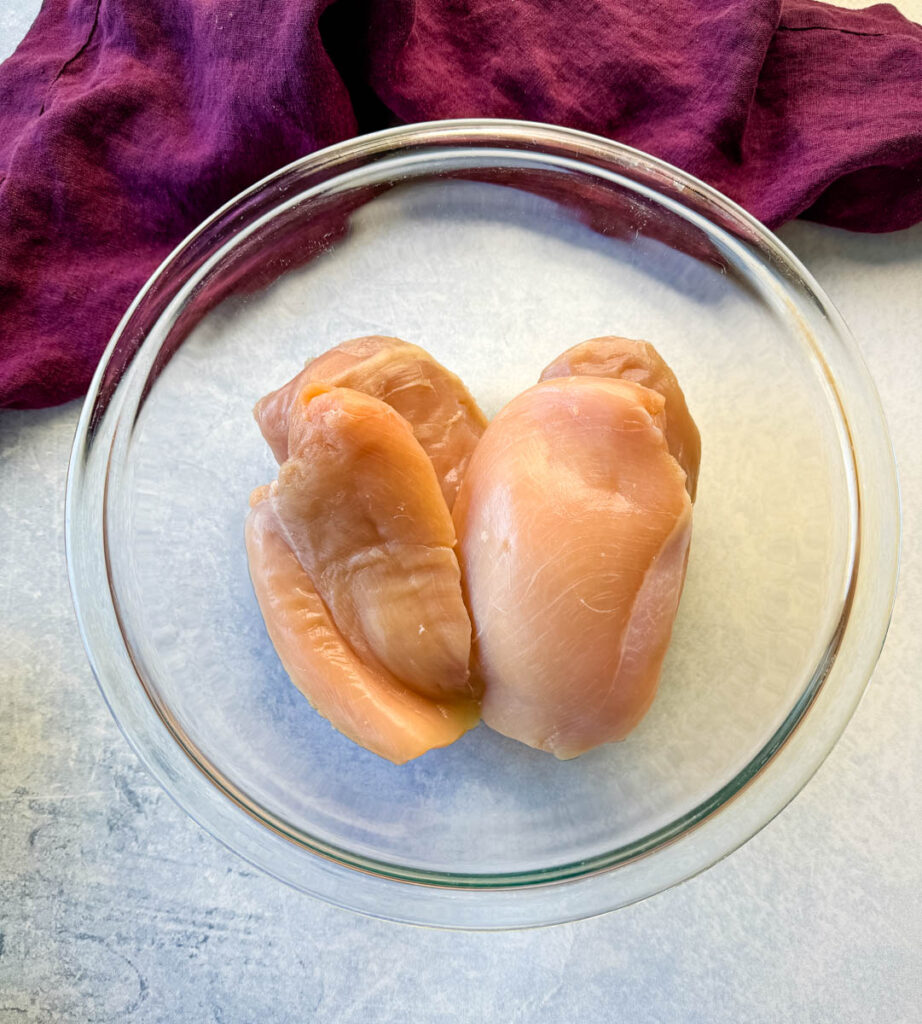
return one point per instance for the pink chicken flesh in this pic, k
(445, 419)
(353, 561)
(362, 510)
(574, 524)
(638, 361)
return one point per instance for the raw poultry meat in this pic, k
(573, 520)
(638, 361)
(445, 418)
(352, 557)
(574, 523)
(363, 512)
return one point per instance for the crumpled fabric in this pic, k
(124, 123)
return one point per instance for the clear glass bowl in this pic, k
(495, 245)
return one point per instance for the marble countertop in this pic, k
(114, 905)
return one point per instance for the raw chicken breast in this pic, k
(362, 510)
(638, 361)
(367, 704)
(574, 524)
(445, 418)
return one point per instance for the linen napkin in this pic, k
(124, 123)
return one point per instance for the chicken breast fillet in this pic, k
(445, 419)
(574, 524)
(638, 361)
(363, 512)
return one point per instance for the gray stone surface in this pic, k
(115, 906)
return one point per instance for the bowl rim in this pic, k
(876, 545)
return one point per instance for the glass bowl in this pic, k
(495, 245)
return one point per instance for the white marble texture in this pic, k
(114, 905)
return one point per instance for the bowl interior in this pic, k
(495, 263)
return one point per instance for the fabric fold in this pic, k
(124, 123)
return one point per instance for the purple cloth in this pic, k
(123, 123)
